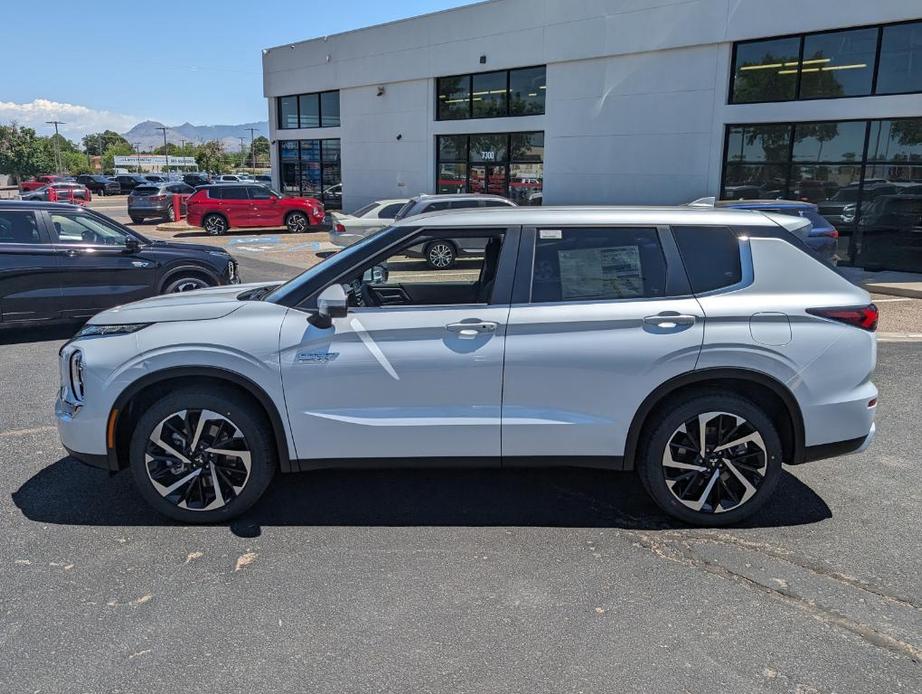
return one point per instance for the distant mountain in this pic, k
(147, 135)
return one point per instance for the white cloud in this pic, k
(79, 120)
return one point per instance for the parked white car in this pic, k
(700, 347)
(346, 229)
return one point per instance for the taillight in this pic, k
(157, 198)
(864, 317)
(340, 229)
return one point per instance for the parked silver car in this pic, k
(346, 229)
(700, 347)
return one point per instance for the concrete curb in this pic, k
(912, 290)
(176, 226)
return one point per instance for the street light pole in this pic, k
(165, 152)
(57, 156)
(137, 151)
(242, 156)
(252, 148)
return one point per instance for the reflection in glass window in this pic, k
(526, 182)
(900, 68)
(766, 70)
(753, 143)
(527, 147)
(755, 181)
(896, 140)
(310, 150)
(838, 64)
(527, 89)
(329, 109)
(488, 148)
(309, 108)
(311, 167)
(507, 164)
(453, 148)
(842, 141)
(288, 112)
(820, 182)
(454, 97)
(452, 178)
(489, 94)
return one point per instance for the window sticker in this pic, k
(590, 273)
(550, 234)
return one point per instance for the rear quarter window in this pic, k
(711, 256)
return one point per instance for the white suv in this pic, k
(700, 347)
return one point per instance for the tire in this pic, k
(214, 224)
(297, 222)
(232, 422)
(185, 283)
(673, 436)
(440, 255)
(137, 220)
(170, 214)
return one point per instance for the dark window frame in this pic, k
(802, 36)
(297, 98)
(470, 93)
(299, 161)
(508, 162)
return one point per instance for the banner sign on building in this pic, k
(153, 160)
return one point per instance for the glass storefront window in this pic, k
(838, 64)
(454, 97)
(312, 168)
(507, 164)
(288, 112)
(900, 68)
(527, 88)
(755, 181)
(489, 95)
(519, 92)
(766, 70)
(755, 143)
(896, 140)
(329, 109)
(832, 141)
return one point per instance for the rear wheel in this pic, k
(202, 457)
(297, 222)
(170, 214)
(137, 220)
(711, 459)
(214, 224)
(441, 255)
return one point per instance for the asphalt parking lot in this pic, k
(462, 581)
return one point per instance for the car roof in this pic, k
(392, 201)
(589, 216)
(38, 205)
(426, 197)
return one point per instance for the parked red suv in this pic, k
(38, 182)
(217, 208)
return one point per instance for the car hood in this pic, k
(186, 247)
(202, 304)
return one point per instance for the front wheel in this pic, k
(297, 222)
(440, 255)
(711, 459)
(214, 224)
(185, 283)
(202, 457)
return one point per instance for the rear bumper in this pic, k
(839, 448)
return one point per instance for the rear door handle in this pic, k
(473, 329)
(670, 320)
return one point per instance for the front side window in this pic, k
(589, 264)
(390, 211)
(17, 226)
(85, 229)
(900, 68)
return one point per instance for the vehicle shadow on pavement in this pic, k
(39, 333)
(67, 492)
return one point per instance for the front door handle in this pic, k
(668, 320)
(473, 329)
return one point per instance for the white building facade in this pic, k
(611, 102)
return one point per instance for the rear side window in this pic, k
(216, 193)
(597, 265)
(390, 211)
(436, 206)
(464, 204)
(235, 193)
(17, 226)
(711, 256)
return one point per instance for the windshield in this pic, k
(342, 256)
(405, 210)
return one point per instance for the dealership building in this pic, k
(619, 102)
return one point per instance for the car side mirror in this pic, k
(376, 274)
(332, 303)
(132, 245)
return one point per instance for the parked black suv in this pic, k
(127, 182)
(99, 185)
(64, 262)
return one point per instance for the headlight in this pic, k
(75, 372)
(126, 329)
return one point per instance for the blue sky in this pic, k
(109, 64)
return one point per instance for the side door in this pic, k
(414, 371)
(265, 207)
(237, 206)
(29, 269)
(98, 269)
(600, 317)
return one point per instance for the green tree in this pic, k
(96, 144)
(23, 153)
(260, 146)
(113, 150)
(210, 156)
